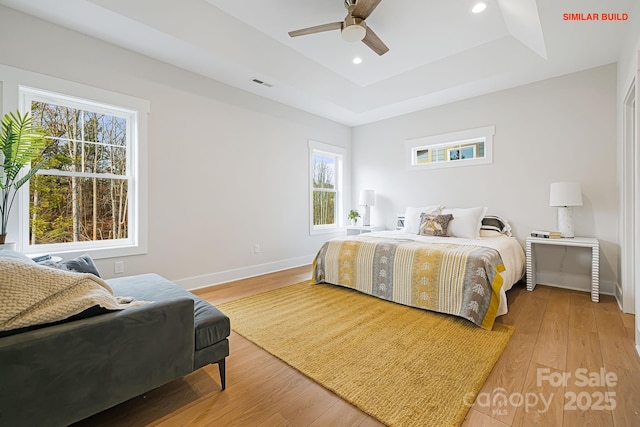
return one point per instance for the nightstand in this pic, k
(354, 230)
(583, 242)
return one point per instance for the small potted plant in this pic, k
(20, 142)
(353, 216)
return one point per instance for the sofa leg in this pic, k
(221, 368)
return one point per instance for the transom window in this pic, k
(464, 148)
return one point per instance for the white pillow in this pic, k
(412, 217)
(466, 223)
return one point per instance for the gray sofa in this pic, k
(65, 372)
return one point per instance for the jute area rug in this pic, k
(401, 365)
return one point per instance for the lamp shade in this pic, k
(565, 194)
(367, 198)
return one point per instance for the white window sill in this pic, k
(95, 251)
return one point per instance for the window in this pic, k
(464, 148)
(326, 187)
(87, 195)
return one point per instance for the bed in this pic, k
(463, 276)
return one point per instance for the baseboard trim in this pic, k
(205, 280)
(606, 288)
(619, 296)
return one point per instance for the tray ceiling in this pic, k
(440, 52)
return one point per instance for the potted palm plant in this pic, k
(20, 142)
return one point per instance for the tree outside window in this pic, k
(324, 189)
(82, 191)
(326, 180)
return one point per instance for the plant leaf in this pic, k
(20, 142)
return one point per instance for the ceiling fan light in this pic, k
(353, 33)
(479, 7)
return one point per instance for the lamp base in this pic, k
(366, 217)
(565, 221)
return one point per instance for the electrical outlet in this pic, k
(256, 248)
(118, 267)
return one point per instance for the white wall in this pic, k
(227, 169)
(562, 129)
(245, 180)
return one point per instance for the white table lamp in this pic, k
(565, 195)
(367, 199)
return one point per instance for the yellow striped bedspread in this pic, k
(462, 280)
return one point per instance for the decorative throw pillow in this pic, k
(496, 223)
(434, 225)
(412, 217)
(489, 233)
(81, 264)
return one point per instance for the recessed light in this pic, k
(357, 60)
(479, 7)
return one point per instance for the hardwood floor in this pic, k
(559, 333)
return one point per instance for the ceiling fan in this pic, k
(353, 28)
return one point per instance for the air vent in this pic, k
(260, 82)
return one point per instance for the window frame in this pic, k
(339, 154)
(448, 142)
(16, 84)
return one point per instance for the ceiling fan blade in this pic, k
(316, 29)
(374, 42)
(364, 8)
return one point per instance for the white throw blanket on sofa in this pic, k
(31, 294)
